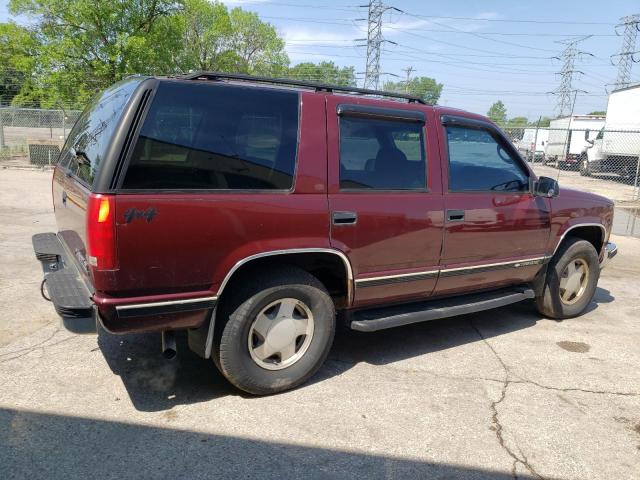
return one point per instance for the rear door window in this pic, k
(91, 135)
(478, 162)
(378, 154)
(220, 137)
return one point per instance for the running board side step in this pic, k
(398, 315)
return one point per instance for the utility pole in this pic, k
(408, 71)
(565, 89)
(374, 42)
(627, 54)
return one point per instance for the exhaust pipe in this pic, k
(169, 344)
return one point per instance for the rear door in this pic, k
(495, 229)
(81, 157)
(385, 197)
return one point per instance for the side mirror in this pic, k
(546, 187)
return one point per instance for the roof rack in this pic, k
(318, 87)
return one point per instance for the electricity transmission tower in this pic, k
(626, 56)
(568, 58)
(374, 42)
(408, 71)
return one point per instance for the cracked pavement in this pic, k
(501, 394)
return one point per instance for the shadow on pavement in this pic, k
(155, 384)
(36, 445)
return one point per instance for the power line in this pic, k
(481, 36)
(505, 20)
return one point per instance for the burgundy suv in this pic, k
(253, 212)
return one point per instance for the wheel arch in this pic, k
(306, 258)
(594, 233)
(332, 267)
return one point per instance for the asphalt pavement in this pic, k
(499, 394)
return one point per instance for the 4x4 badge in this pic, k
(133, 213)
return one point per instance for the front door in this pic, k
(385, 197)
(496, 231)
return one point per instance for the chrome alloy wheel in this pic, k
(281, 334)
(573, 281)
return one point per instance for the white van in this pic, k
(569, 137)
(616, 148)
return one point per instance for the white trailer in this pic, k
(616, 149)
(533, 143)
(569, 137)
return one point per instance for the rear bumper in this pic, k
(610, 251)
(81, 308)
(70, 295)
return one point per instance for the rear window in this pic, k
(90, 137)
(221, 137)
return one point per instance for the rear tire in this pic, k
(571, 280)
(304, 335)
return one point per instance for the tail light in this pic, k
(101, 232)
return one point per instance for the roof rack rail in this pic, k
(318, 87)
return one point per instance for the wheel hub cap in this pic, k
(280, 334)
(573, 281)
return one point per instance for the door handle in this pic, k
(455, 215)
(344, 218)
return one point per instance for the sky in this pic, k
(481, 51)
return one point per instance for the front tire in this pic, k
(571, 280)
(277, 331)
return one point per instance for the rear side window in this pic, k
(91, 135)
(478, 162)
(381, 154)
(225, 137)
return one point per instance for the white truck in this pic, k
(533, 143)
(569, 137)
(616, 148)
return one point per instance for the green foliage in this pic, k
(18, 49)
(256, 46)
(498, 112)
(518, 121)
(424, 87)
(323, 72)
(602, 113)
(544, 122)
(82, 46)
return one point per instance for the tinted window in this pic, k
(212, 136)
(91, 135)
(381, 154)
(477, 162)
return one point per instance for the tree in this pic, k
(323, 72)
(518, 121)
(18, 49)
(255, 45)
(498, 112)
(87, 45)
(601, 113)
(424, 87)
(544, 122)
(236, 41)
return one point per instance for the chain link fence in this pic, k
(32, 136)
(606, 162)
